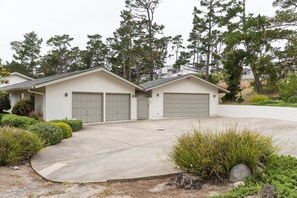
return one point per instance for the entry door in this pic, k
(142, 108)
(117, 107)
(87, 107)
(186, 105)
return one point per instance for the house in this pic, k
(169, 72)
(15, 78)
(98, 95)
(247, 74)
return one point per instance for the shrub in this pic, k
(18, 145)
(23, 107)
(17, 121)
(288, 87)
(292, 99)
(259, 98)
(50, 133)
(36, 115)
(67, 131)
(75, 125)
(212, 155)
(4, 102)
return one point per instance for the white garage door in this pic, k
(117, 107)
(87, 107)
(186, 105)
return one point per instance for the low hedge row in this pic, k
(51, 132)
(76, 125)
(17, 121)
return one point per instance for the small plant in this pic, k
(17, 145)
(36, 115)
(17, 121)
(23, 107)
(259, 98)
(50, 133)
(212, 155)
(67, 131)
(4, 102)
(75, 125)
(280, 172)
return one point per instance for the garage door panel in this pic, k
(186, 105)
(117, 107)
(87, 107)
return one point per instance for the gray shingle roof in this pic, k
(31, 83)
(151, 84)
(154, 83)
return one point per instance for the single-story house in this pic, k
(98, 95)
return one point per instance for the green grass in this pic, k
(280, 172)
(276, 103)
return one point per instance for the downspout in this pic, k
(34, 92)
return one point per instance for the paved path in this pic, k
(130, 150)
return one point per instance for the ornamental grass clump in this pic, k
(211, 155)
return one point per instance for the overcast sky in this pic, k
(80, 18)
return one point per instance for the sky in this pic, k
(80, 18)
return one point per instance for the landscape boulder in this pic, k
(239, 173)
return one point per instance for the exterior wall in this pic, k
(58, 106)
(16, 96)
(183, 86)
(14, 79)
(245, 111)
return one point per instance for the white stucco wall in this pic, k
(246, 111)
(60, 107)
(16, 96)
(14, 79)
(183, 86)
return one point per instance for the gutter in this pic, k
(34, 92)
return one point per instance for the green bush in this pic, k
(292, 99)
(75, 125)
(212, 155)
(50, 133)
(17, 121)
(18, 145)
(4, 102)
(259, 98)
(275, 103)
(67, 131)
(288, 87)
(23, 107)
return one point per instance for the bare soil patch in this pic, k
(26, 183)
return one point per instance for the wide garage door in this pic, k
(117, 107)
(186, 105)
(87, 107)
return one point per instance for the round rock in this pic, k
(239, 173)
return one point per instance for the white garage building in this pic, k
(97, 95)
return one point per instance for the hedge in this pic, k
(17, 121)
(75, 125)
(67, 131)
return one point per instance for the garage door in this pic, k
(186, 105)
(117, 107)
(87, 107)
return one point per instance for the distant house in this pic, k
(169, 71)
(247, 74)
(15, 78)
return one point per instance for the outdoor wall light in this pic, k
(66, 94)
(214, 95)
(157, 94)
(133, 96)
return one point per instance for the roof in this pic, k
(42, 82)
(161, 82)
(21, 75)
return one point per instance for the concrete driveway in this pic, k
(130, 150)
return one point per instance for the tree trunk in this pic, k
(258, 83)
